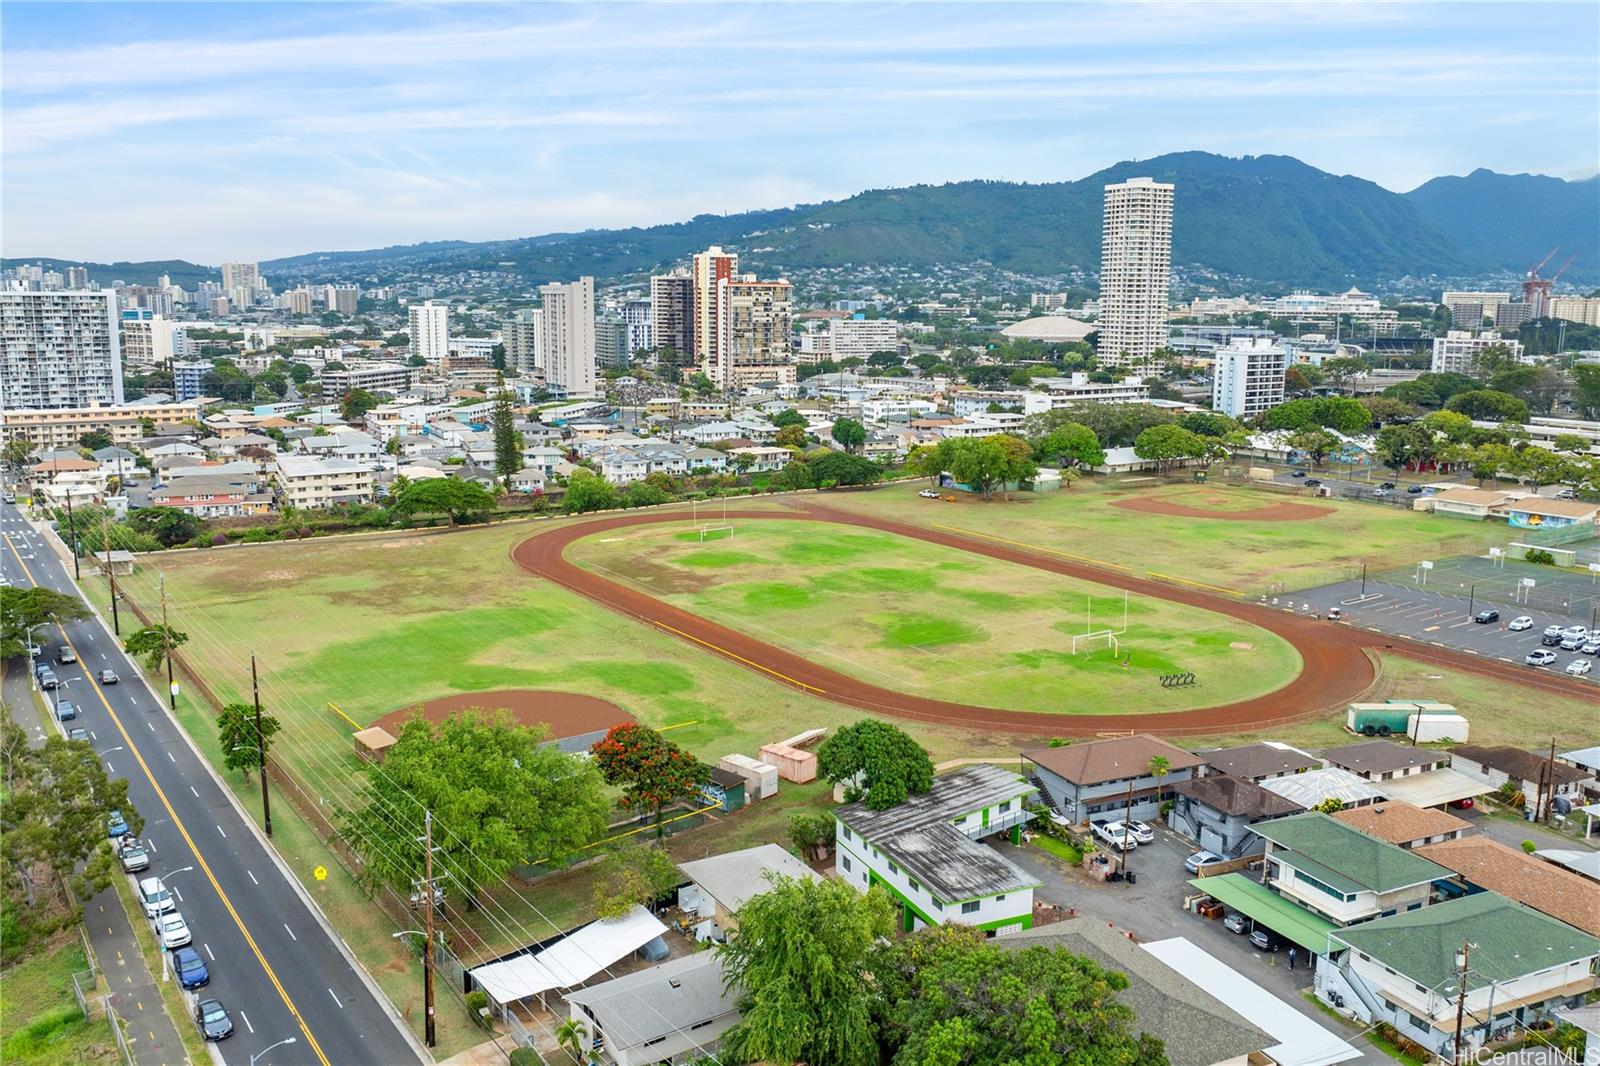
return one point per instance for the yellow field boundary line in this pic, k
(335, 708)
(1036, 548)
(739, 658)
(677, 725)
(1196, 584)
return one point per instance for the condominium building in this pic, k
(430, 331)
(611, 344)
(151, 342)
(567, 328)
(342, 299)
(1329, 311)
(77, 277)
(636, 315)
(60, 349)
(297, 301)
(310, 483)
(710, 268)
(1457, 352)
(521, 335)
(374, 376)
(672, 312)
(859, 338)
(1581, 309)
(1135, 271)
(61, 427)
(188, 378)
(1248, 377)
(1460, 304)
(752, 332)
(241, 276)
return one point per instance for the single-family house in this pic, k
(760, 457)
(1482, 864)
(117, 462)
(1497, 764)
(927, 851)
(219, 496)
(310, 483)
(1085, 781)
(1341, 873)
(621, 466)
(707, 459)
(1257, 762)
(1219, 813)
(675, 1012)
(1382, 760)
(1464, 503)
(1403, 824)
(1587, 760)
(721, 884)
(1406, 970)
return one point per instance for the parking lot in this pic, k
(1443, 619)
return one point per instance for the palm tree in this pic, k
(572, 1036)
(1158, 768)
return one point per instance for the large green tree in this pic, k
(1317, 444)
(236, 734)
(23, 609)
(1166, 445)
(954, 998)
(981, 464)
(1489, 405)
(53, 821)
(500, 797)
(151, 643)
(800, 965)
(168, 525)
(459, 500)
(588, 491)
(651, 770)
(876, 760)
(507, 441)
(849, 433)
(842, 469)
(633, 874)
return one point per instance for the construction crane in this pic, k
(1533, 271)
(1562, 269)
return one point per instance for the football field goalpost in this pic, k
(1087, 640)
(711, 528)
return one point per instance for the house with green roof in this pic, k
(1341, 873)
(1406, 970)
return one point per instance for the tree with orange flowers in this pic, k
(651, 770)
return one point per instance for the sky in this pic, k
(215, 132)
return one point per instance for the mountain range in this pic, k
(1270, 221)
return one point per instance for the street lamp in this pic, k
(263, 1051)
(163, 879)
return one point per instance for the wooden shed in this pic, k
(374, 743)
(794, 764)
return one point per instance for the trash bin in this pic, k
(1133, 878)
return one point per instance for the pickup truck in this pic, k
(1113, 834)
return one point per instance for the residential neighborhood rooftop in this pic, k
(1115, 759)
(1516, 875)
(1315, 786)
(1345, 857)
(1259, 760)
(1399, 822)
(734, 877)
(1509, 940)
(1236, 796)
(1524, 765)
(1381, 757)
(681, 992)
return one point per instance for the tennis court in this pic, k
(1508, 581)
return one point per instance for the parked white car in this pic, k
(174, 931)
(1142, 832)
(1579, 667)
(1519, 623)
(155, 897)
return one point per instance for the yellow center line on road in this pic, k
(200, 859)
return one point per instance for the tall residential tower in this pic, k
(430, 331)
(567, 330)
(1135, 272)
(710, 267)
(59, 349)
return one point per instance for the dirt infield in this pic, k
(1336, 669)
(1272, 512)
(566, 713)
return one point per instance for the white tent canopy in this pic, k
(571, 960)
(1300, 1039)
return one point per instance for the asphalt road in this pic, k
(274, 964)
(1442, 619)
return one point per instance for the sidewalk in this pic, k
(151, 1034)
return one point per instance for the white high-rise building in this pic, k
(709, 268)
(241, 276)
(636, 314)
(297, 301)
(1458, 350)
(567, 328)
(861, 338)
(753, 333)
(430, 331)
(1135, 272)
(522, 335)
(60, 349)
(1248, 377)
(151, 342)
(77, 277)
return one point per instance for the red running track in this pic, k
(1336, 665)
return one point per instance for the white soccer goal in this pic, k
(1088, 640)
(715, 533)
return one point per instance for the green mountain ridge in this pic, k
(1270, 221)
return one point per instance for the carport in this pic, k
(1265, 907)
(1435, 788)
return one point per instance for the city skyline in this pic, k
(301, 128)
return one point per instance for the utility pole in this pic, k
(1123, 847)
(1461, 997)
(74, 527)
(105, 533)
(261, 747)
(428, 901)
(1549, 793)
(166, 646)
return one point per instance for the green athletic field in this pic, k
(944, 623)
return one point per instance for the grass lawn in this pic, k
(40, 1023)
(1241, 555)
(1061, 850)
(941, 622)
